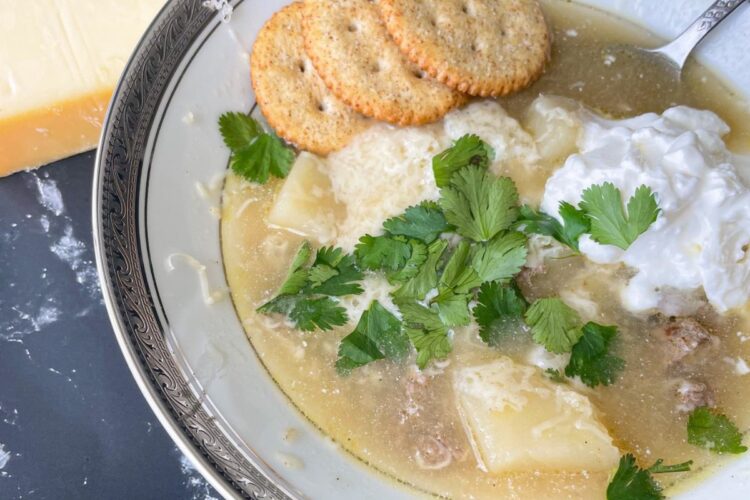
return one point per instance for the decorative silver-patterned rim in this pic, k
(123, 263)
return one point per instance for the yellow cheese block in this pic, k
(59, 62)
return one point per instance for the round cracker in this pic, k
(292, 97)
(353, 53)
(480, 47)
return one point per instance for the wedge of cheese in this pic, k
(59, 62)
(519, 421)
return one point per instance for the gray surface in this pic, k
(71, 416)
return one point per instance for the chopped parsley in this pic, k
(590, 358)
(630, 482)
(256, 154)
(424, 222)
(609, 223)
(467, 150)
(499, 311)
(479, 204)
(554, 324)
(305, 295)
(712, 430)
(575, 223)
(378, 335)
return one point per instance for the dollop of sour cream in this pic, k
(702, 235)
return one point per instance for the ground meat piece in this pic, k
(692, 394)
(682, 337)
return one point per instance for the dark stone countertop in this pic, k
(73, 423)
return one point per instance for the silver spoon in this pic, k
(678, 50)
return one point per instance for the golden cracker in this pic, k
(292, 97)
(353, 53)
(480, 47)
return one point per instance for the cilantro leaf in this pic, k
(458, 276)
(416, 315)
(426, 278)
(256, 154)
(382, 252)
(479, 204)
(590, 358)
(344, 282)
(453, 309)
(417, 257)
(575, 224)
(424, 222)
(426, 330)
(499, 311)
(238, 130)
(297, 276)
(467, 150)
(554, 324)
(320, 274)
(714, 431)
(378, 335)
(501, 258)
(609, 224)
(302, 294)
(430, 346)
(630, 482)
(322, 313)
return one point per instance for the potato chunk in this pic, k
(556, 126)
(305, 204)
(518, 420)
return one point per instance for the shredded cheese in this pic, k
(210, 296)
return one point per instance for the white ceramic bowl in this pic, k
(192, 360)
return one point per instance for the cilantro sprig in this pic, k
(554, 324)
(711, 430)
(609, 223)
(423, 222)
(426, 330)
(256, 154)
(600, 214)
(378, 335)
(574, 225)
(499, 311)
(467, 150)
(557, 327)
(590, 358)
(630, 482)
(305, 295)
(479, 204)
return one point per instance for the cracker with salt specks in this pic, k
(292, 97)
(353, 53)
(481, 47)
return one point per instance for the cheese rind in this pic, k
(518, 420)
(59, 62)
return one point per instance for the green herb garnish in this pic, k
(712, 430)
(256, 154)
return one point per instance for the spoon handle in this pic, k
(679, 49)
